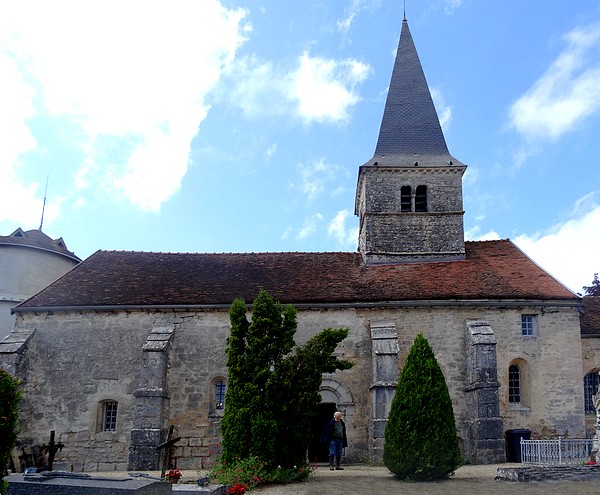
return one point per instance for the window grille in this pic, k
(514, 383)
(220, 388)
(527, 325)
(405, 199)
(590, 388)
(109, 416)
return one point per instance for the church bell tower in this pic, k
(409, 195)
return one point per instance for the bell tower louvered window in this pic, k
(405, 199)
(421, 199)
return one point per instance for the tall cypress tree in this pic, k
(420, 436)
(273, 392)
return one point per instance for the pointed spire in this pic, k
(410, 129)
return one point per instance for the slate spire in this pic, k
(410, 129)
(409, 195)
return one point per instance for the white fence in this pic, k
(556, 452)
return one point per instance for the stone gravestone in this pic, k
(63, 483)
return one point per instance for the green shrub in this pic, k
(272, 384)
(420, 437)
(252, 472)
(9, 417)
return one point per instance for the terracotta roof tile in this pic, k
(492, 270)
(590, 321)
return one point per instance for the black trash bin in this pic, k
(513, 443)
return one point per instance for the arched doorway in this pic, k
(318, 451)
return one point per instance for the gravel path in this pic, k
(368, 480)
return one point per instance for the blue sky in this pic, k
(239, 126)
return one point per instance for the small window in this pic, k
(421, 198)
(590, 388)
(527, 325)
(514, 383)
(405, 199)
(109, 416)
(220, 389)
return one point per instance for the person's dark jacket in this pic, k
(328, 432)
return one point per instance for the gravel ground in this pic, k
(361, 479)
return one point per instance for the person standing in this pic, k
(334, 435)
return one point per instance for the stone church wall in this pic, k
(78, 361)
(82, 359)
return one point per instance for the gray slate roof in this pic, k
(36, 239)
(410, 129)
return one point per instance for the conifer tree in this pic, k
(594, 289)
(10, 396)
(272, 392)
(420, 436)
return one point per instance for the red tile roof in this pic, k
(590, 321)
(492, 270)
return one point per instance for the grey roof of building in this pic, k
(36, 239)
(410, 129)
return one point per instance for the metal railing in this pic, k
(562, 451)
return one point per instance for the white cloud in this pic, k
(569, 251)
(313, 178)
(136, 71)
(257, 90)
(310, 226)
(474, 234)
(18, 201)
(567, 93)
(324, 88)
(444, 111)
(351, 12)
(271, 150)
(316, 89)
(338, 229)
(452, 5)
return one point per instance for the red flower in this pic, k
(173, 474)
(238, 489)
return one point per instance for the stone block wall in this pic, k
(79, 359)
(387, 233)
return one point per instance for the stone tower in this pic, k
(409, 195)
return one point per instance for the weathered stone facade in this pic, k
(387, 234)
(161, 366)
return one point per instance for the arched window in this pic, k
(405, 199)
(421, 198)
(108, 415)
(514, 383)
(220, 389)
(590, 388)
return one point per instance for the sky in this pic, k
(239, 125)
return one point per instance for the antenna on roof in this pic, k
(404, 9)
(44, 204)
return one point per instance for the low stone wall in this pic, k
(548, 473)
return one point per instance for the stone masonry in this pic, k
(85, 358)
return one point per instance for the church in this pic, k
(129, 344)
